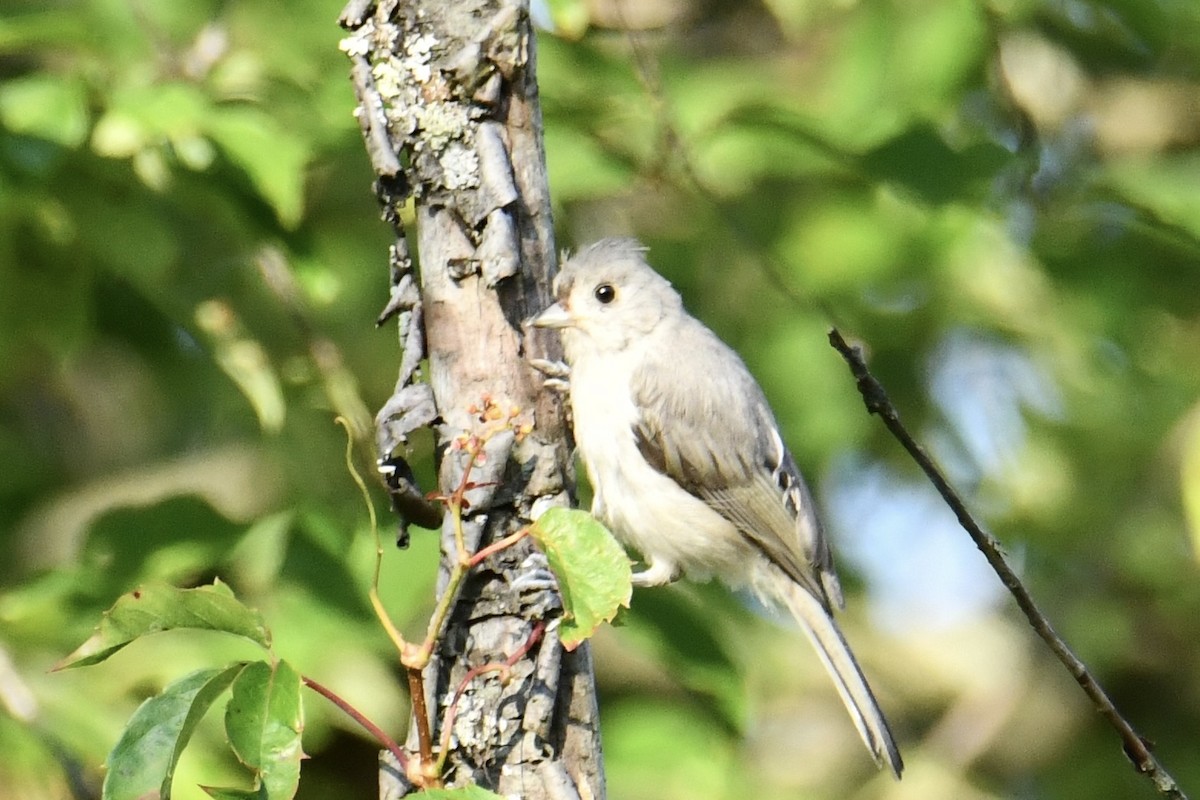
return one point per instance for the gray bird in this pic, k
(686, 460)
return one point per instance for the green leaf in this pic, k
(272, 156)
(461, 793)
(1189, 475)
(157, 608)
(1165, 186)
(593, 572)
(140, 116)
(44, 30)
(46, 106)
(264, 720)
(143, 762)
(245, 361)
(571, 17)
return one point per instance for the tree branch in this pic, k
(448, 107)
(877, 402)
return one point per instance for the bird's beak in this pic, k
(553, 317)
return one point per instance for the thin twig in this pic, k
(877, 402)
(416, 684)
(357, 716)
(389, 627)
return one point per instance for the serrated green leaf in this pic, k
(143, 762)
(461, 793)
(157, 608)
(264, 720)
(593, 572)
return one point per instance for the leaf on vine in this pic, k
(142, 764)
(157, 608)
(264, 720)
(593, 572)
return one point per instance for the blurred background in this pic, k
(999, 198)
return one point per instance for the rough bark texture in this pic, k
(449, 111)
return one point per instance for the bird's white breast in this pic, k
(643, 507)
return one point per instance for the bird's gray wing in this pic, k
(704, 422)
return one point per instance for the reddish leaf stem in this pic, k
(497, 546)
(357, 716)
(473, 673)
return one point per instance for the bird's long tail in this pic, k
(827, 638)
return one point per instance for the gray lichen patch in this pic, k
(460, 167)
(442, 122)
(438, 73)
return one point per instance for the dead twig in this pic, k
(877, 402)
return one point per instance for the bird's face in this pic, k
(608, 297)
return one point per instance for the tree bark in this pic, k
(449, 110)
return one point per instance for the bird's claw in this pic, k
(657, 573)
(557, 374)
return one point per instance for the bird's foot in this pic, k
(657, 573)
(557, 373)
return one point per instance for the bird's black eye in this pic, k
(605, 293)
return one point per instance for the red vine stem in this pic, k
(361, 719)
(497, 546)
(473, 673)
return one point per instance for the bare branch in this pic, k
(1132, 742)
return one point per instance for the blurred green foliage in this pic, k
(999, 197)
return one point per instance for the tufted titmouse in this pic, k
(685, 457)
